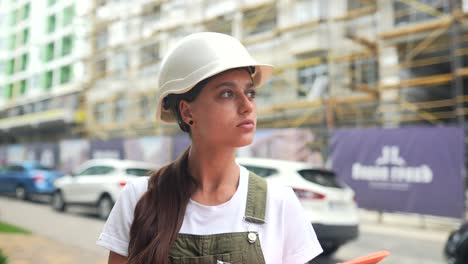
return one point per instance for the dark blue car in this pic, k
(27, 178)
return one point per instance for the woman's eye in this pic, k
(227, 94)
(251, 94)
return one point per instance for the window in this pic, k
(25, 36)
(307, 10)
(23, 87)
(138, 172)
(101, 67)
(145, 108)
(102, 39)
(324, 178)
(313, 80)
(26, 11)
(65, 74)
(48, 79)
(261, 171)
(103, 170)
(49, 52)
(152, 13)
(404, 13)
(68, 14)
(99, 113)
(259, 20)
(119, 110)
(313, 76)
(221, 25)
(96, 170)
(13, 17)
(364, 71)
(10, 68)
(9, 91)
(101, 2)
(24, 61)
(120, 63)
(41, 106)
(15, 168)
(51, 20)
(88, 171)
(12, 42)
(149, 54)
(28, 108)
(41, 167)
(67, 45)
(355, 4)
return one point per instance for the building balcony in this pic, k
(65, 116)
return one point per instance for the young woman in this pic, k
(204, 207)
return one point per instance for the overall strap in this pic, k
(256, 199)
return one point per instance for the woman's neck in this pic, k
(216, 173)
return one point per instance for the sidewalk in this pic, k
(33, 249)
(408, 220)
(36, 249)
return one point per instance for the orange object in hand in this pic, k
(373, 258)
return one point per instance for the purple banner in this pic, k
(46, 153)
(156, 150)
(73, 153)
(416, 169)
(107, 149)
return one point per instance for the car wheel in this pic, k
(329, 250)
(20, 193)
(104, 207)
(57, 202)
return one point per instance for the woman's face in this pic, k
(224, 112)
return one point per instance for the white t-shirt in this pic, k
(286, 236)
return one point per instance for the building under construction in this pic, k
(338, 63)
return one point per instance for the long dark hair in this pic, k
(160, 211)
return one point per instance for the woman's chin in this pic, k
(244, 142)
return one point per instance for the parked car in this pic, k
(328, 202)
(27, 178)
(456, 247)
(97, 183)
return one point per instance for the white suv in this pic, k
(97, 183)
(328, 202)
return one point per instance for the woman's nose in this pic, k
(246, 104)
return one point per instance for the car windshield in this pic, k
(40, 167)
(324, 178)
(138, 171)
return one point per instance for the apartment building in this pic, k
(337, 63)
(43, 68)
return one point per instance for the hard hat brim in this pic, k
(262, 74)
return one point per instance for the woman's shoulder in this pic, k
(279, 192)
(137, 186)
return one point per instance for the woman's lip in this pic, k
(246, 123)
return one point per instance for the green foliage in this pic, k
(3, 258)
(7, 228)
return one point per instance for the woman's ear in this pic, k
(185, 110)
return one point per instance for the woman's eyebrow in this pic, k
(228, 84)
(233, 85)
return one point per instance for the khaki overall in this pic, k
(232, 248)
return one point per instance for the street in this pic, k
(405, 238)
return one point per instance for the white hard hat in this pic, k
(200, 56)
